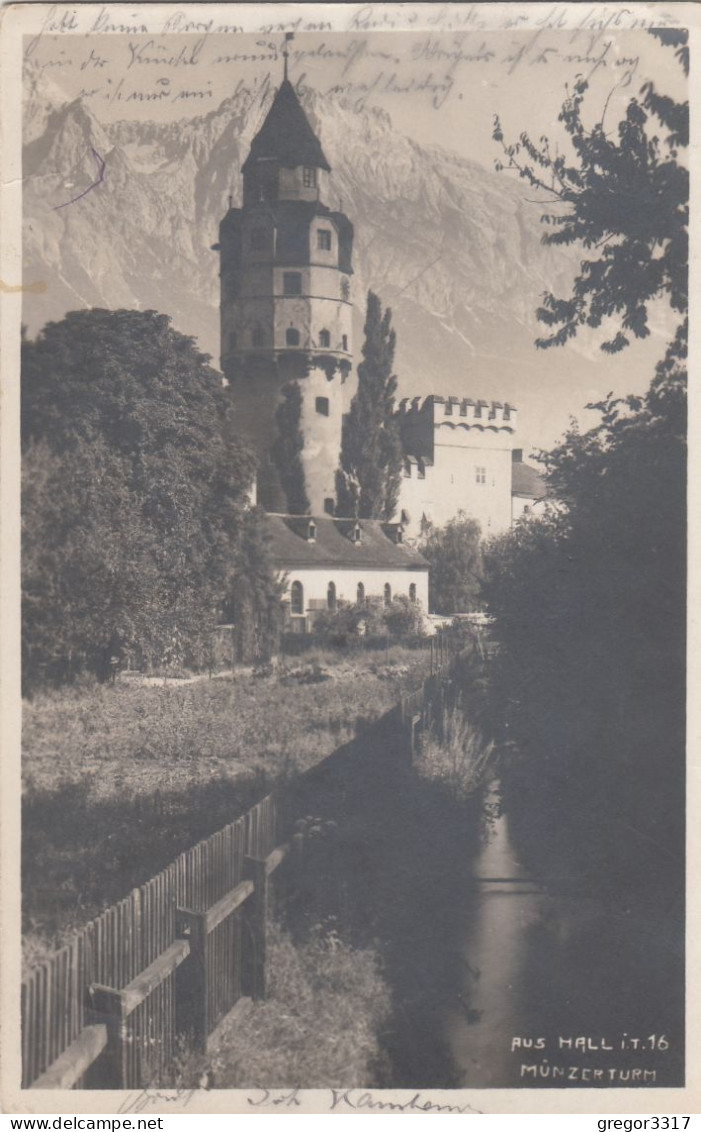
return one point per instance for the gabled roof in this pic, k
(526, 480)
(286, 135)
(290, 549)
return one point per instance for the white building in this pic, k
(329, 560)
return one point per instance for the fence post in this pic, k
(256, 870)
(198, 1003)
(108, 1006)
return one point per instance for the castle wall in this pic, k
(459, 460)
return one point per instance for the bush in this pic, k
(402, 618)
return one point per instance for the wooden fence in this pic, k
(163, 966)
(157, 971)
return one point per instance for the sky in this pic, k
(439, 86)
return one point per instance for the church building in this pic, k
(286, 353)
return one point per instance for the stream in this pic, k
(559, 988)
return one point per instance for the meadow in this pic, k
(118, 779)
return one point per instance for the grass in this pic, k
(119, 779)
(456, 757)
(319, 1026)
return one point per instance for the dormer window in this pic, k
(323, 240)
(309, 177)
(356, 534)
(311, 531)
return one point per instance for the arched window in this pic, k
(292, 336)
(297, 598)
(388, 594)
(258, 336)
(412, 592)
(331, 596)
(360, 595)
(324, 339)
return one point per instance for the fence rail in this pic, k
(168, 962)
(170, 959)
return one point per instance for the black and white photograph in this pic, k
(345, 447)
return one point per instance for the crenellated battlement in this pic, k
(455, 411)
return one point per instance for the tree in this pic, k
(134, 494)
(626, 198)
(589, 601)
(371, 454)
(455, 556)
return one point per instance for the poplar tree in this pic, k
(371, 455)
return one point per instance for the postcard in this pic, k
(345, 494)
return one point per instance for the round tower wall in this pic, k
(321, 423)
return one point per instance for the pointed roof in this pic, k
(286, 135)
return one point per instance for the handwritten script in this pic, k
(148, 65)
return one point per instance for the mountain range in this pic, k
(124, 214)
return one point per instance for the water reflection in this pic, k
(543, 974)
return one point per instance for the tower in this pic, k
(286, 312)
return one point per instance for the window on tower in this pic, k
(322, 406)
(324, 339)
(258, 336)
(323, 240)
(292, 336)
(292, 283)
(309, 177)
(344, 342)
(258, 240)
(345, 288)
(480, 475)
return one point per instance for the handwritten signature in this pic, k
(149, 1098)
(355, 1100)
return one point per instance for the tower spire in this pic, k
(286, 51)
